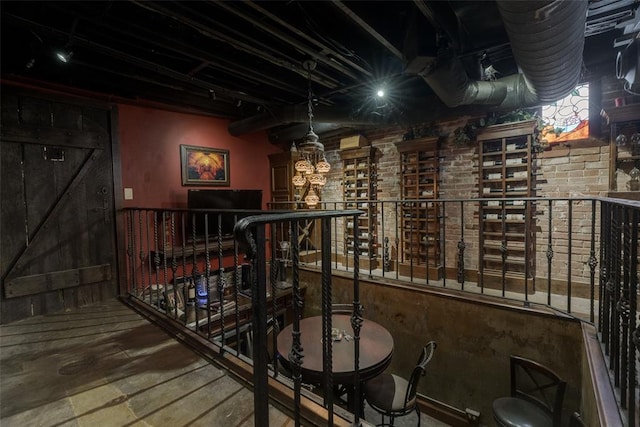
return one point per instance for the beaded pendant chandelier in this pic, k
(312, 164)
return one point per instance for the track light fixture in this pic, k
(64, 55)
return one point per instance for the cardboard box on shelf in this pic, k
(355, 141)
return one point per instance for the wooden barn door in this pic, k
(57, 208)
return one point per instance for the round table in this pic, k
(376, 349)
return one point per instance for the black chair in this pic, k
(340, 308)
(575, 420)
(394, 396)
(536, 396)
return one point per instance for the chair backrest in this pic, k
(576, 420)
(344, 308)
(539, 385)
(341, 308)
(419, 371)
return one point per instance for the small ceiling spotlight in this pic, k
(380, 93)
(64, 55)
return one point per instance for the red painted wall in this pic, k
(150, 142)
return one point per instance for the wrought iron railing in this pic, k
(583, 260)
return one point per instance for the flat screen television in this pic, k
(220, 199)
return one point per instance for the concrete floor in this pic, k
(105, 365)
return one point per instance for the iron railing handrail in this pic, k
(609, 248)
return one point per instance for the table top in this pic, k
(376, 349)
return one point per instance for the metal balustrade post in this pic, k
(195, 274)
(174, 267)
(527, 260)
(426, 247)
(385, 243)
(259, 328)
(614, 360)
(138, 286)
(129, 251)
(207, 273)
(593, 262)
(605, 274)
(221, 285)
(634, 328)
(504, 251)
(443, 238)
(397, 242)
(185, 283)
(165, 266)
(156, 258)
(335, 238)
(549, 252)
(622, 306)
(356, 324)
(569, 253)
(327, 340)
(296, 353)
(273, 278)
(461, 248)
(150, 261)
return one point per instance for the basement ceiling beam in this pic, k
(226, 37)
(438, 22)
(319, 57)
(376, 35)
(132, 30)
(196, 99)
(134, 60)
(322, 46)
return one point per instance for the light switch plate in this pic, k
(128, 193)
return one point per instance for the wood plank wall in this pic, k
(57, 206)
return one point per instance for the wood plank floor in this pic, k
(105, 365)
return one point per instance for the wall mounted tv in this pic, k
(236, 200)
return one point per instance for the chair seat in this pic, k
(514, 412)
(387, 392)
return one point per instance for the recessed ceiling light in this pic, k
(380, 93)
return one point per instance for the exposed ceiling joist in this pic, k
(369, 29)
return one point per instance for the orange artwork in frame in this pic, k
(204, 166)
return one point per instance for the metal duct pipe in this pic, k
(453, 86)
(547, 39)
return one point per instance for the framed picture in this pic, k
(204, 166)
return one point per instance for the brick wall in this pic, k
(564, 170)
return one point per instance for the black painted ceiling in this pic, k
(240, 59)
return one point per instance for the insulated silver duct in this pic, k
(547, 40)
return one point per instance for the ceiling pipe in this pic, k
(131, 59)
(299, 113)
(312, 53)
(298, 130)
(212, 29)
(368, 28)
(328, 49)
(547, 40)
